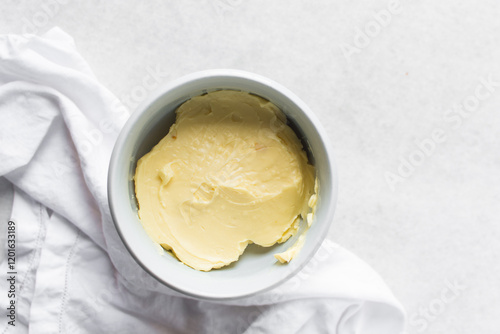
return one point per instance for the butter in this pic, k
(291, 252)
(230, 172)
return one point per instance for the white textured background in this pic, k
(378, 97)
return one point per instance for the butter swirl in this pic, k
(230, 172)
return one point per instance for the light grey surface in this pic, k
(440, 226)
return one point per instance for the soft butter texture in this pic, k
(229, 173)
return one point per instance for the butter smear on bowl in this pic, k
(229, 173)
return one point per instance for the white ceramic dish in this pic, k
(257, 270)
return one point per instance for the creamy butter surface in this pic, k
(229, 173)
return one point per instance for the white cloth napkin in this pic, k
(58, 125)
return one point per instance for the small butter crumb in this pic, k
(310, 217)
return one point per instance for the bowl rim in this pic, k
(202, 75)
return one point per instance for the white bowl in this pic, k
(257, 270)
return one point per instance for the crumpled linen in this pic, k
(58, 125)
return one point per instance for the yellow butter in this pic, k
(229, 173)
